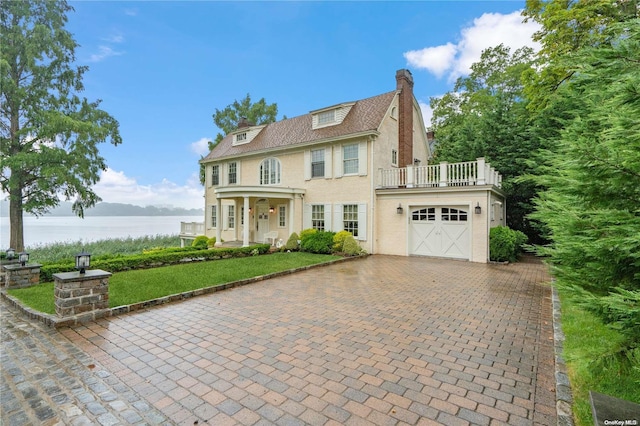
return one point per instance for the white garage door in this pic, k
(440, 231)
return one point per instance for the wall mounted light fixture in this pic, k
(478, 208)
(399, 209)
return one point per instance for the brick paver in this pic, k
(382, 340)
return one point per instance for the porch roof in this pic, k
(258, 191)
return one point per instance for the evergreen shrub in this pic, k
(351, 246)
(200, 241)
(338, 240)
(318, 242)
(292, 242)
(306, 233)
(505, 244)
(211, 242)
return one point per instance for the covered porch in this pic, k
(250, 214)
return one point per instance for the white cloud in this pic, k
(104, 53)
(201, 146)
(115, 38)
(131, 12)
(489, 30)
(437, 59)
(116, 187)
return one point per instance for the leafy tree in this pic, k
(486, 116)
(592, 201)
(48, 133)
(228, 119)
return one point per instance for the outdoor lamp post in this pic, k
(23, 258)
(11, 253)
(83, 260)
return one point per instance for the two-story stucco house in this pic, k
(359, 166)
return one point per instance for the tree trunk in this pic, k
(16, 237)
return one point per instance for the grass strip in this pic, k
(587, 349)
(126, 288)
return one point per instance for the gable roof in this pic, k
(365, 116)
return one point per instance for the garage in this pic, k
(440, 231)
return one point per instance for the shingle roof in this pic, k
(365, 115)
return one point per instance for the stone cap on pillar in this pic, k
(90, 274)
(18, 266)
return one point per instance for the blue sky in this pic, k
(162, 68)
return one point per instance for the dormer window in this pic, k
(327, 117)
(241, 137)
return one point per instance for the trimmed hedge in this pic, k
(505, 244)
(155, 259)
(318, 242)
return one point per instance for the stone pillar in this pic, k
(3, 272)
(18, 276)
(77, 293)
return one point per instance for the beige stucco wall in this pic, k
(391, 234)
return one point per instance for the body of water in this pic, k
(49, 229)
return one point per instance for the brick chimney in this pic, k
(404, 81)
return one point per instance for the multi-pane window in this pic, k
(453, 215)
(233, 173)
(231, 217)
(241, 137)
(282, 216)
(394, 157)
(424, 215)
(214, 217)
(327, 117)
(317, 217)
(270, 172)
(317, 163)
(350, 218)
(215, 174)
(350, 159)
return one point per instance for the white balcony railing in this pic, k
(191, 228)
(444, 174)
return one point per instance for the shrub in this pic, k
(306, 233)
(318, 242)
(505, 244)
(339, 238)
(211, 242)
(292, 242)
(351, 246)
(200, 241)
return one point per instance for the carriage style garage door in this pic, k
(440, 231)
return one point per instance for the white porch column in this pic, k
(292, 203)
(245, 228)
(482, 179)
(218, 222)
(443, 174)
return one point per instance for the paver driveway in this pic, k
(382, 340)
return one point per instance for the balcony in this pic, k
(191, 228)
(469, 173)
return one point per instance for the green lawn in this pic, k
(130, 287)
(587, 343)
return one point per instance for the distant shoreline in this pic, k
(110, 210)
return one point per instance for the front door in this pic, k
(262, 227)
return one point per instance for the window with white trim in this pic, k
(317, 217)
(270, 172)
(428, 214)
(453, 215)
(233, 173)
(240, 137)
(350, 159)
(215, 175)
(214, 217)
(326, 117)
(282, 216)
(350, 218)
(317, 163)
(394, 157)
(231, 217)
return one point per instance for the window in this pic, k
(327, 117)
(394, 157)
(424, 215)
(350, 218)
(231, 217)
(233, 173)
(282, 216)
(270, 172)
(242, 215)
(215, 175)
(394, 112)
(214, 217)
(317, 217)
(241, 137)
(317, 163)
(350, 159)
(453, 215)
